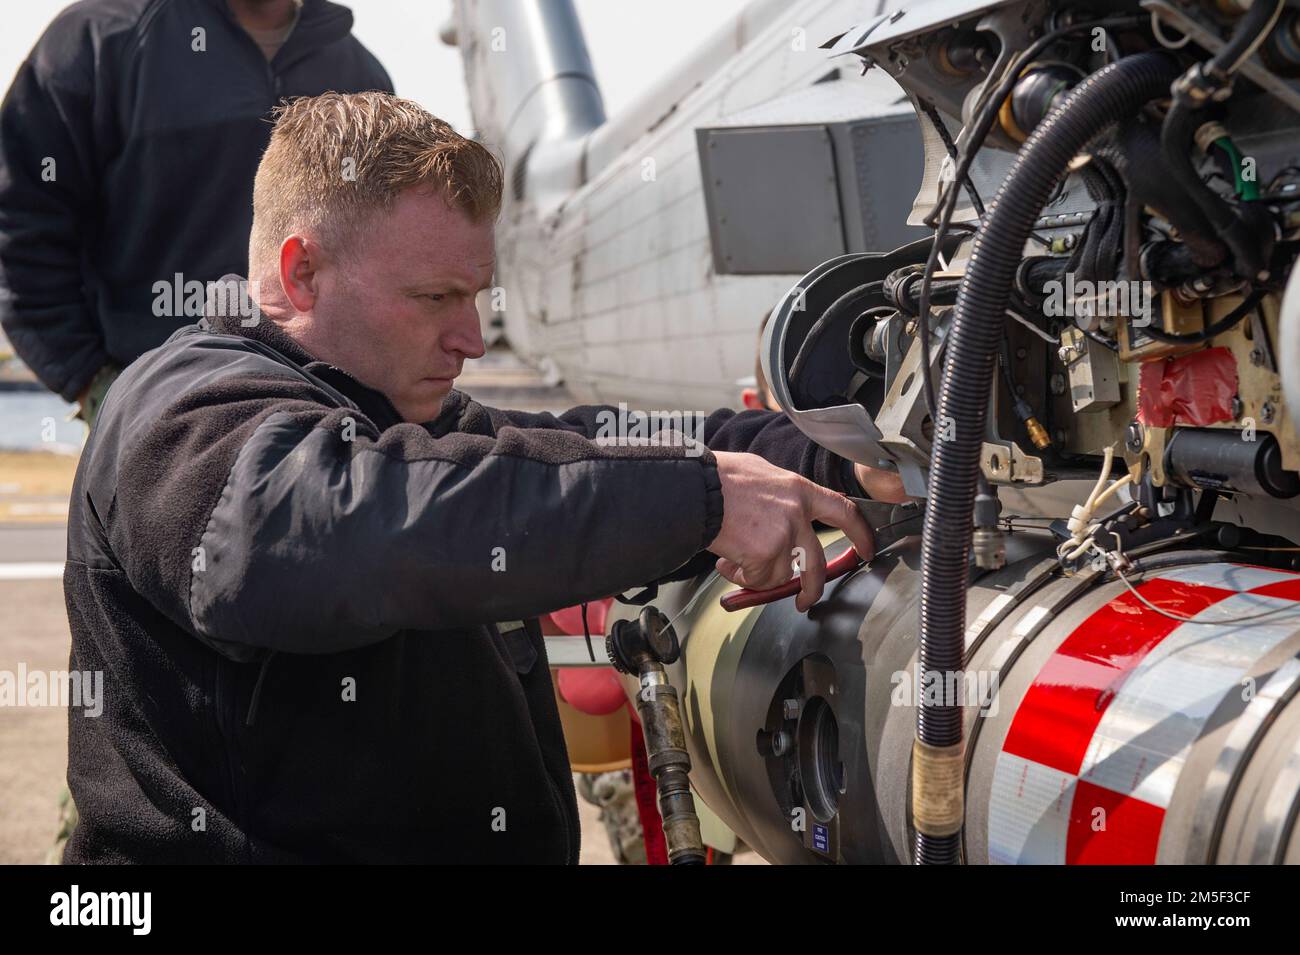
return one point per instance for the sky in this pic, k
(632, 43)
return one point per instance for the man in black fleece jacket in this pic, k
(128, 144)
(296, 552)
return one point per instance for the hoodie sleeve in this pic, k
(47, 197)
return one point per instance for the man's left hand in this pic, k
(880, 485)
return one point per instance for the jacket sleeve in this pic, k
(321, 534)
(47, 198)
(769, 434)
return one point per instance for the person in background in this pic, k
(129, 140)
(756, 395)
(128, 144)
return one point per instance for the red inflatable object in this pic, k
(594, 691)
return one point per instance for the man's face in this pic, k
(397, 311)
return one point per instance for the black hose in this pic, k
(1099, 185)
(1243, 231)
(1177, 144)
(1116, 91)
(1246, 37)
(1169, 264)
(904, 290)
(1037, 273)
(1138, 157)
(936, 121)
(1097, 256)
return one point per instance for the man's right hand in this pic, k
(768, 514)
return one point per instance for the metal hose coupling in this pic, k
(643, 647)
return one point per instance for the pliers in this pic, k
(889, 524)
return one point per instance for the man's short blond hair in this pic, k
(335, 159)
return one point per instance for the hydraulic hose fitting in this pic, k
(989, 543)
(1037, 433)
(642, 647)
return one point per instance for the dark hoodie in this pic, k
(151, 117)
(291, 595)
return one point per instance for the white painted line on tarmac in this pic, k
(32, 570)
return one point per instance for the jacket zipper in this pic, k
(273, 82)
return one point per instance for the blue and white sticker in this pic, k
(821, 838)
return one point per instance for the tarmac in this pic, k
(34, 489)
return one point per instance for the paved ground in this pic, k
(33, 740)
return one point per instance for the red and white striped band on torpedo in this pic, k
(1093, 753)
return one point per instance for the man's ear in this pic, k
(299, 261)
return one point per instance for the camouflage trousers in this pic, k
(615, 796)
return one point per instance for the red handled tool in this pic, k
(889, 524)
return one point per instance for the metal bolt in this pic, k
(1237, 407)
(1060, 435)
(1256, 357)
(790, 709)
(1133, 438)
(1021, 354)
(1057, 384)
(1266, 412)
(781, 742)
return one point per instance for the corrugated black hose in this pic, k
(1110, 94)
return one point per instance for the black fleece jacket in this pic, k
(292, 596)
(128, 145)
